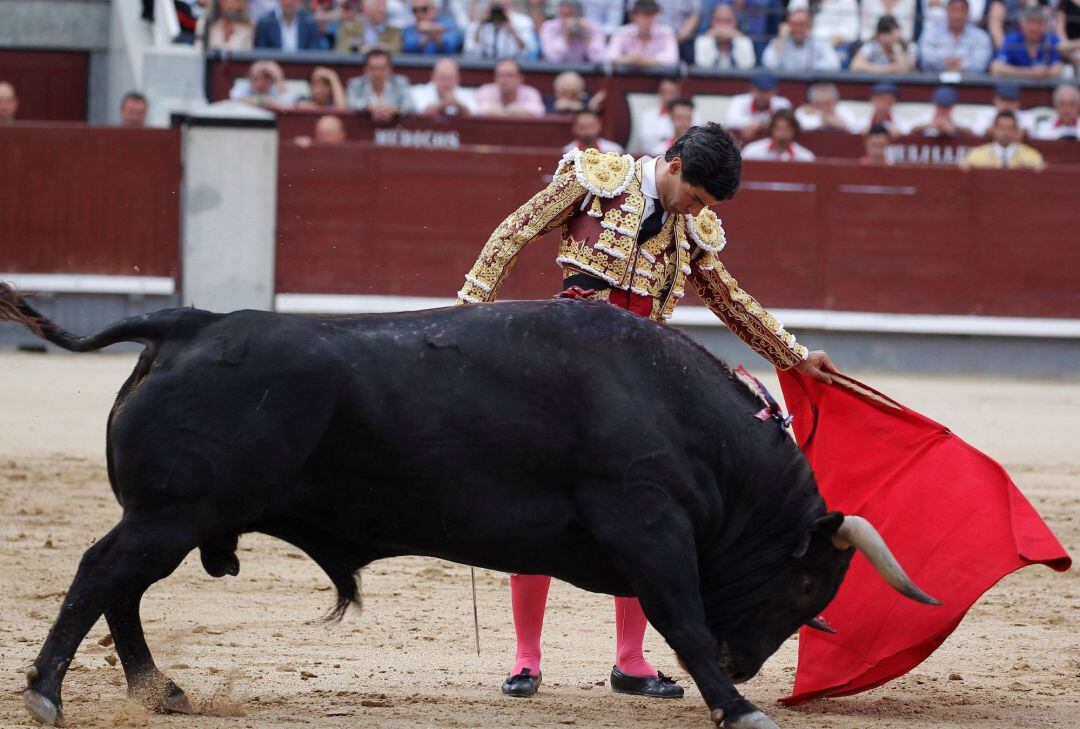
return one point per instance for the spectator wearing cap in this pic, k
(133, 108)
(1006, 150)
(289, 28)
(265, 87)
(822, 113)
(1030, 52)
(681, 113)
(226, 27)
(571, 38)
(508, 95)
(796, 50)
(940, 121)
(1065, 123)
(502, 32)
(883, 96)
(875, 143)
(1006, 98)
(443, 95)
(780, 145)
(886, 52)
(9, 103)
(749, 114)
(902, 10)
(722, 46)
(433, 32)
(380, 93)
(586, 127)
(643, 41)
(653, 125)
(956, 45)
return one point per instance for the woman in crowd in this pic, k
(265, 87)
(229, 27)
(326, 91)
(886, 52)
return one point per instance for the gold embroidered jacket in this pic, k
(597, 201)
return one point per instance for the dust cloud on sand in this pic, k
(253, 650)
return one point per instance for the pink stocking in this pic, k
(528, 598)
(630, 624)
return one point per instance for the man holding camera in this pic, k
(571, 38)
(502, 33)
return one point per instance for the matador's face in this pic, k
(676, 194)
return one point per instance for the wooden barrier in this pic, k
(361, 219)
(89, 200)
(51, 85)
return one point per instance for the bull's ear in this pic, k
(826, 527)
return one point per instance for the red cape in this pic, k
(951, 515)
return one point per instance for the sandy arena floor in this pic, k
(251, 651)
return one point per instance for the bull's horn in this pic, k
(861, 534)
(819, 624)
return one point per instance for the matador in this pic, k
(633, 232)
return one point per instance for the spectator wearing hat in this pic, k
(797, 50)
(780, 145)
(653, 125)
(1030, 52)
(956, 45)
(1006, 150)
(749, 114)
(940, 121)
(722, 46)
(1006, 98)
(571, 38)
(433, 32)
(508, 95)
(886, 52)
(643, 41)
(875, 143)
(883, 96)
(1065, 123)
(9, 103)
(586, 127)
(380, 92)
(289, 28)
(681, 113)
(822, 113)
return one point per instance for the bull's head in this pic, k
(802, 588)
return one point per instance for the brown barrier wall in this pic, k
(360, 219)
(76, 199)
(51, 85)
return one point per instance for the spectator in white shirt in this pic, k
(835, 21)
(780, 145)
(681, 112)
(1065, 124)
(443, 95)
(749, 114)
(654, 125)
(586, 127)
(265, 87)
(1006, 98)
(821, 113)
(796, 50)
(722, 46)
(502, 32)
(939, 121)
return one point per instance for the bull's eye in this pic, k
(806, 585)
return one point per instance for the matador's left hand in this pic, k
(818, 365)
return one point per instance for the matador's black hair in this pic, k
(710, 158)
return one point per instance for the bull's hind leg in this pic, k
(135, 554)
(145, 682)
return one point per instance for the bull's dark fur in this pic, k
(563, 437)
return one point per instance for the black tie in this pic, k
(652, 224)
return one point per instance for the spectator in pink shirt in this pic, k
(570, 38)
(643, 41)
(509, 96)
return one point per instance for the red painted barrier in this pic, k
(51, 85)
(76, 199)
(360, 219)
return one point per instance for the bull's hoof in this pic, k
(158, 693)
(176, 702)
(751, 720)
(44, 710)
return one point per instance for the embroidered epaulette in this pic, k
(602, 174)
(706, 231)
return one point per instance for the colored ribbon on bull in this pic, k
(950, 514)
(772, 407)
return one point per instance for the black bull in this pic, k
(563, 438)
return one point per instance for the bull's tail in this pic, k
(13, 307)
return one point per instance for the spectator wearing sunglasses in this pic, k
(432, 33)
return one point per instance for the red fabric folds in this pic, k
(951, 515)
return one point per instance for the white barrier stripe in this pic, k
(794, 319)
(77, 283)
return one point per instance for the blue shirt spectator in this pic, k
(433, 32)
(956, 44)
(1030, 52)
(289, 28)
